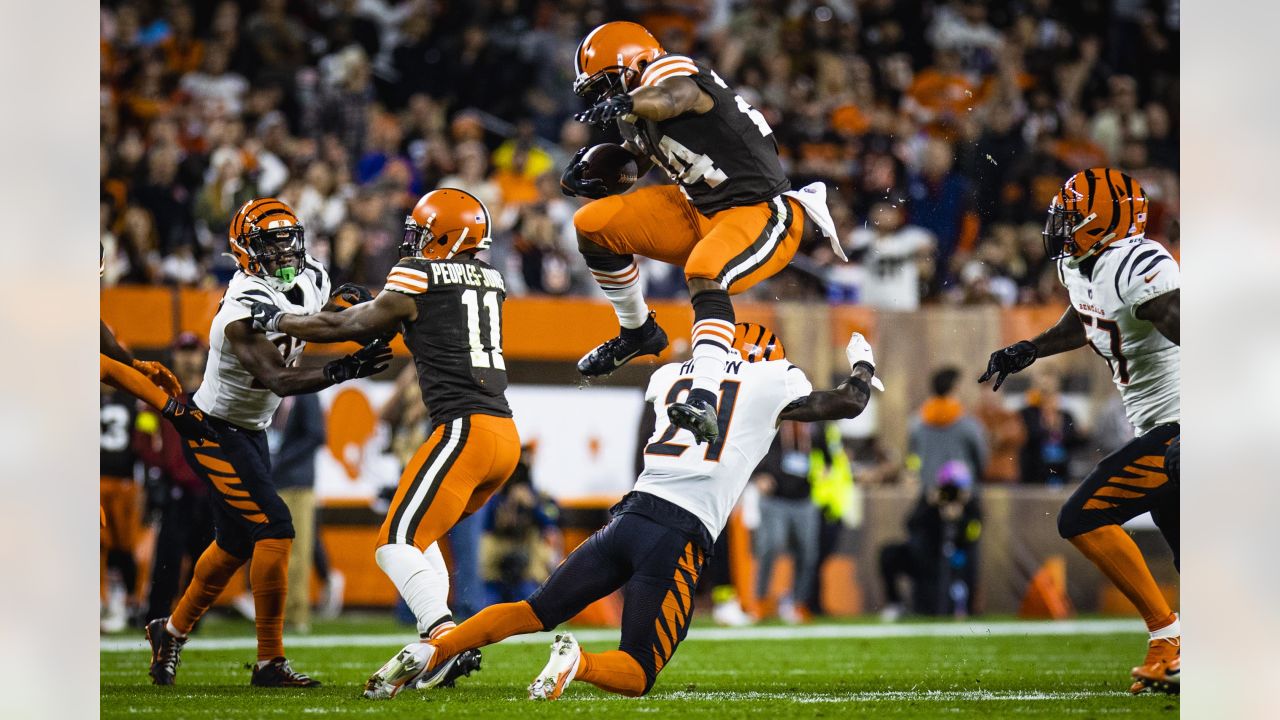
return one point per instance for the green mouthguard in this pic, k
(287, 274)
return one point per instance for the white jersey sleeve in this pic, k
(707, 479)
(1149, 272)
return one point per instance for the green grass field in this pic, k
(982, 669)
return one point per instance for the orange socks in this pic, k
(492, 624)
(1117, 556)
(614, 671)
(213, 571)
(269, 576)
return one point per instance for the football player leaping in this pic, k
(731, 220)
(1124, 303)
(449, 304)
(661, 532)
(247, 373)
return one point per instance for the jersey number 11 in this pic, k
(481, 357)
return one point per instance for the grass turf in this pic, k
(993, 676)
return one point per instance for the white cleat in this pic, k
(560, 670)
(399, 671)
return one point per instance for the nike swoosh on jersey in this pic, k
(1149, 278)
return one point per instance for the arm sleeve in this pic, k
(408, 277)
(1148, 272)
(123, 377)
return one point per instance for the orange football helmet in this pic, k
(611, 58)
(444, 223)
(757, 343)
(267, 240)
(1095, 208)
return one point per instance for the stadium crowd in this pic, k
(942, 126)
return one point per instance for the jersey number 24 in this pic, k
(728, 398)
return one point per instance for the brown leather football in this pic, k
(613, 164)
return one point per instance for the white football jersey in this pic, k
(707, 479)
(229, 391)
(1144, 363)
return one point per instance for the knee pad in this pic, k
(595, 216)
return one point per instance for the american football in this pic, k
(747, 358)
(613, 164)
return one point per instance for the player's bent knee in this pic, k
(593, 218)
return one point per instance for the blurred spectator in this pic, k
(789, 521)
(1006, 433)
(897, 259)
(1051, 433)
(939, 557)
(297, 433)
(943, 203)
(120, 500)
(178, 494)
(941, 431)
(521, 544)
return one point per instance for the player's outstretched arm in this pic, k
(109, 346)
(379, 318)
(669, 98)
(263, 360)
(1163, 312)
(1067, 334)
(849, 398)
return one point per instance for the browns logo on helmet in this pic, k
(268, 240)
(611, 58)
(757, 343)
(1095, 208)
(444, 223)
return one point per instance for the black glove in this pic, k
(1012, 359)
(606, 110)
(573, 184)
(266, 317)
(368, 360)
(349, 294)
(188, 421)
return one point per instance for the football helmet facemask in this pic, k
(1095, 208)
(611, 58)
(268, 240)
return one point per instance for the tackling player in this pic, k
(731, 220)
(1124, 293)
(247, 374)
(448, 303)
(662, 531)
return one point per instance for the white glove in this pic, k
(859, 350)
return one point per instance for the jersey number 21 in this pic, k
(728, 397)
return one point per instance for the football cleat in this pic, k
(1160, 671)
(697, 416)
(166, 652)
(278, 673)
(648, 339)
(399, 671)
(560, 670)
(447, 674)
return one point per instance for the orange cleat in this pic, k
(1161, 669)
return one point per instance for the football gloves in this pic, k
(265, 316)
(368, 360)
(1015, 358)
(188, 421)
(574, 185)
(859, 351)
(606, 110)
(349, 294)
(160, 375)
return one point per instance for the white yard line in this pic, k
(700, 634)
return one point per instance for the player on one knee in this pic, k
(1124, 293)
(730, 220)
(661, 533)
(449, 304)
(248, 372)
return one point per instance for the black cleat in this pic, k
(166, 652)
(648, 339)
(697, 416)
(446, 676)
(278, 673)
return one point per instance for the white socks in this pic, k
(1172, 630)
(421, 578)
(711, 342)
(624, 291)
